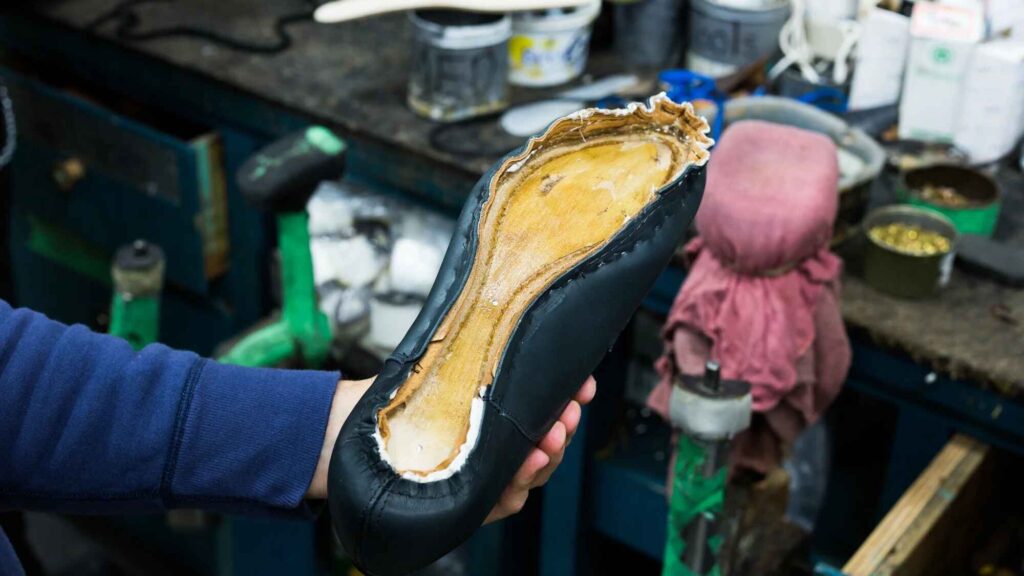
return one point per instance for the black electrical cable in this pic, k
(127, 22)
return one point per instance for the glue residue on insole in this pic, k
(476, 415)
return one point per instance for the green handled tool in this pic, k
(280, 179)
(709, 412)
(138, 275)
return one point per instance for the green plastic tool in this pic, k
(280, 179)
(698, 494)
(709, 412)
(138, 275)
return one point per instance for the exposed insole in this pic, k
(560, 206)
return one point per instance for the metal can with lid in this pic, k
(550, 47)
(459, 64)
(726, 35)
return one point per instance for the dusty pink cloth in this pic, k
(762, 295)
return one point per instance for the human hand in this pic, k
(346, 395)
(545, 458)
(534, 472)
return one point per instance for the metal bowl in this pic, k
(981, 191)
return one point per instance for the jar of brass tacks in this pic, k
(909, 250)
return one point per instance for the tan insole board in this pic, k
(561, 206)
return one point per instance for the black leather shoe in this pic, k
(554, 250)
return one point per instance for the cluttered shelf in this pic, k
(353, 76)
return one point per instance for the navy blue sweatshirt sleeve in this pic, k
(89, 425)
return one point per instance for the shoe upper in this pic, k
(391, 525)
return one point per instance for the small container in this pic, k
(459, 64)
(649, 33)
(980, 212)
(550, 47)
(902, 274)
(725, 38)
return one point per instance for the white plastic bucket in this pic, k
(724, 37)
(550, 47)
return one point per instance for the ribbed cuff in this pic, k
(247, 438)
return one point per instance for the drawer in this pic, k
(110, 176)
(935, 526)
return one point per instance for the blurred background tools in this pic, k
(709, 413)
(279, 179)
(138, 275)
(763, 298)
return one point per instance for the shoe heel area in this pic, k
(392, 526)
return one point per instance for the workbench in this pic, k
(953, 363)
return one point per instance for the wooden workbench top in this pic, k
(973, 330)
(353, 76)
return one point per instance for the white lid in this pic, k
(460, 37)
(556, 20)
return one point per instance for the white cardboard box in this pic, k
(881, 60)
(943, 38)
(992, 113)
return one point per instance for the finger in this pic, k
(514, 496)
(534, 463)
(587, 392)
(544, 475)
(571, 418)
(512, 501)
(554, 440)
(553, 445)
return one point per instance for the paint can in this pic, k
(726, 37)
(459, 64)
(550, 47)
(648, 33)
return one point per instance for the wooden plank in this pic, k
(929, 522)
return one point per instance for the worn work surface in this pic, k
(353, 76)
(973, 330)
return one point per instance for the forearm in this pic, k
(87, 424)
(347, 393)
